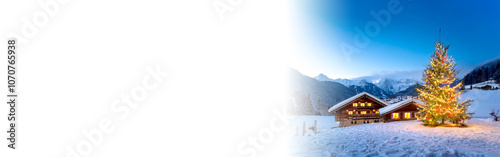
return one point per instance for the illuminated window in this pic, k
(350, 112)
(355, 104)
(407, 115)
(369, 104)
(395, 115)
(363, 112)
(362, 104)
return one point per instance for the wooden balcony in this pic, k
(368, 115)
(363, 107)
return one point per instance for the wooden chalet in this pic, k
(365, 108)
(404, 110)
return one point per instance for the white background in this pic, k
(225, 75)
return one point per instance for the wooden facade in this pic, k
(405, 112)
(365, 108)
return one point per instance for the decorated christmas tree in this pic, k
(440, 97)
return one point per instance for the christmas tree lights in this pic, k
(440, 97)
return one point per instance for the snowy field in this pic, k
(406, 138)
(484, 101)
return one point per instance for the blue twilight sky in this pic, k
(405, 44)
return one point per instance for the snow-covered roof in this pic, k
(485, 83)
(390, 108)
(351, 99)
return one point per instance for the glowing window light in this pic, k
(355, 104)
(369, 104)
(395, 115)
(407, 115)
(350, 112)
(362, 104)
(363, 112)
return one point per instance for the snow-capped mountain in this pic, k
(386, 86)
(395, 85)
(323, 77)
(345, 82)
(365, 86)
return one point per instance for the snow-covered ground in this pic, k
(406, 138)
(483, 101)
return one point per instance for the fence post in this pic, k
(315, 127)
(304, 129)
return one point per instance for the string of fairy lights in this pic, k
(439, 94)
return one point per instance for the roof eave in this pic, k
(343, 103)
(399, 107)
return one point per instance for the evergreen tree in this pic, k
(479, 75)
(486, 74)
(304, 104)
(467, 79)
(320, 107)
(496, 76)
(440, 97)
(308, 106)
(474, 76)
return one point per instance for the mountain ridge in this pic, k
(490, 70)
(380, 87)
